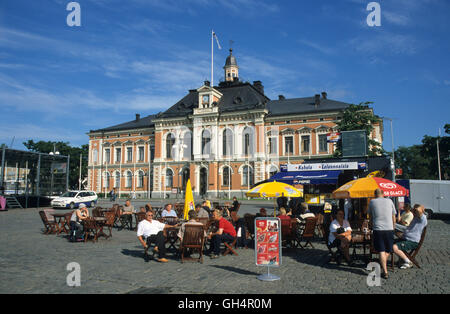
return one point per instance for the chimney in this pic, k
(281, 97)
(207, 83)
(258, 85)
(316, 100)
(138, 116)
(324, 95)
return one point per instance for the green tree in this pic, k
(359, 117)
(64, 149)
(421, 161)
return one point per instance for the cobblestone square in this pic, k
(32, 262)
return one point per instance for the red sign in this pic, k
(398, 172)
(268, 241)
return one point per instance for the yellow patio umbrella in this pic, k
(188, 200)
(274, 189)
(365, 187)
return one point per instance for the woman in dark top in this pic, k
(235, 205)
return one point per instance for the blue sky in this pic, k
(140, 56)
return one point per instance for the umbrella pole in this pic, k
(274, 207)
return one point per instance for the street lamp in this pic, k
(393, 149)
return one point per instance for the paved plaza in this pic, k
(32, 262)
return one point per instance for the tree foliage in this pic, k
(421, 161)
(64, 149)
(359, 117)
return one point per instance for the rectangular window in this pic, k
(129, 154)
(323, 146)
(107, 155)
(289, 145)
(305, 143)
(118, 155)
(141, 153)
(272, 145)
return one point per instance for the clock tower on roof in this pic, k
(231, 68)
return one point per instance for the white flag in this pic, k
(217, 40)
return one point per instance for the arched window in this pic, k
(187, 146)
(129, 179)
(170, 142)
(117, 180)
(169, 178)
(248, 141)
(247, 176)
(206, 142)
(227, 142)
(140, 179)
(226, 176)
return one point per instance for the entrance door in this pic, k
(203, 181)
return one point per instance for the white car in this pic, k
(72, 199)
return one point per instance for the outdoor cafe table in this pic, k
(61, 222)
(366, 241)
(100, 221)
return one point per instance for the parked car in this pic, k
(72, 199)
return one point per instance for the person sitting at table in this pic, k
(192, 221)
(201, 212)
(148, 207)
(127, 213)
(168, 211)
(149, 231)
(262, 213)
(225, 233)
(76, 226)
(406, 217)
(341, 235)
(142, 209)
(206, 207)
(411, 237)
(283, 214)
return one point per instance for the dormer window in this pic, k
(205, 101)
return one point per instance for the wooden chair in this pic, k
(289, 232)
(229, 247)
(250, 225)
(411, 255)
(97, 212)
(170, 220)
(50, 226)
(194, 239)
(335, 255)
(139, 217)
(109, 223)
(308, 232)
(318, 229)
(90, 228)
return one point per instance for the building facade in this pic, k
(223, 138)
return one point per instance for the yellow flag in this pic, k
(188, 200)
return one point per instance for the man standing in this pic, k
(382, 215)
(225, 233)
(149, 231)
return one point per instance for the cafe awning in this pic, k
(307, 177)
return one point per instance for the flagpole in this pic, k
(212, 58)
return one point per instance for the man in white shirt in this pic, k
(149, 231)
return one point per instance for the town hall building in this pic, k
(223, 138)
